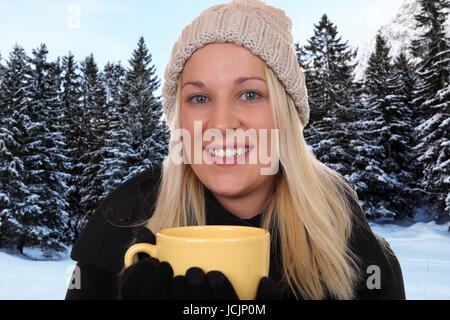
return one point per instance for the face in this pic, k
(224, 87)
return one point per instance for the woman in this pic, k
(234, 69)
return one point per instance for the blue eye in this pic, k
(197, 101)
(251, 95)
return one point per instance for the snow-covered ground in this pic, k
(422, 248)
(30, 279)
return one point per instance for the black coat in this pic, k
(101, 246)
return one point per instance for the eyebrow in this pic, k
(239, 80)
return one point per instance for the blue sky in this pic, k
(111, 29)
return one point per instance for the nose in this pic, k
(224, 117)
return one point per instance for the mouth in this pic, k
(228, 156)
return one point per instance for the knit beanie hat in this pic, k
(266, 31)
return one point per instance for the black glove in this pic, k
(196, 285)
(267, 290)
(215, 285)
(147, 279)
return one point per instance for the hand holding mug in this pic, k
(150, 279)
(234, 258)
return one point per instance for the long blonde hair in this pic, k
(309, 210)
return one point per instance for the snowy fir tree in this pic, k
(69, 135)
(432, 49)
(6, 157)
(74, 132)
(387, 158)
(31, 169)
(434, 139)
(369, 178)
(150, 134)
(328, 65)
(94, 126)
(44, 160)
(16, 195)
(119, 152)
(404, 121)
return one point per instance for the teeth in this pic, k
(228, 153)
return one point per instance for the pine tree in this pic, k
(6, 157)
(93, 100)
(94, 126)
(74, 133)
(408, 82)
(14, 130)
(118, 150)
(383, 192)
(434, 146)
(401, 140)
(145, 111)
(432, 49)
(389, 164)
(45, 210)
(329, 69)
(328, 65)
(371, 181)
(56, 144)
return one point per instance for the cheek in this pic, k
(267, 118)
(189, 114)
(266, 135)
(191, 125)
(261, 117)
(187, 119)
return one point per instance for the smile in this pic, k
(228, 157)
(228, 153)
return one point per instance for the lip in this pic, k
(231, 162)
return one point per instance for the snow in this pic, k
(425, 126)
(422, 248)
(30, 279)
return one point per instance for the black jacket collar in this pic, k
(216, 214)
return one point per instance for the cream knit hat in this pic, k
(263, 29)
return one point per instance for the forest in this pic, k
(70, 132)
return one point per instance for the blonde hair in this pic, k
(309, 211)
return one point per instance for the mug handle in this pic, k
(150, 249)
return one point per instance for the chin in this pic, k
(226, 189)
(223, 182)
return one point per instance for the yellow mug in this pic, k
(241, 253)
